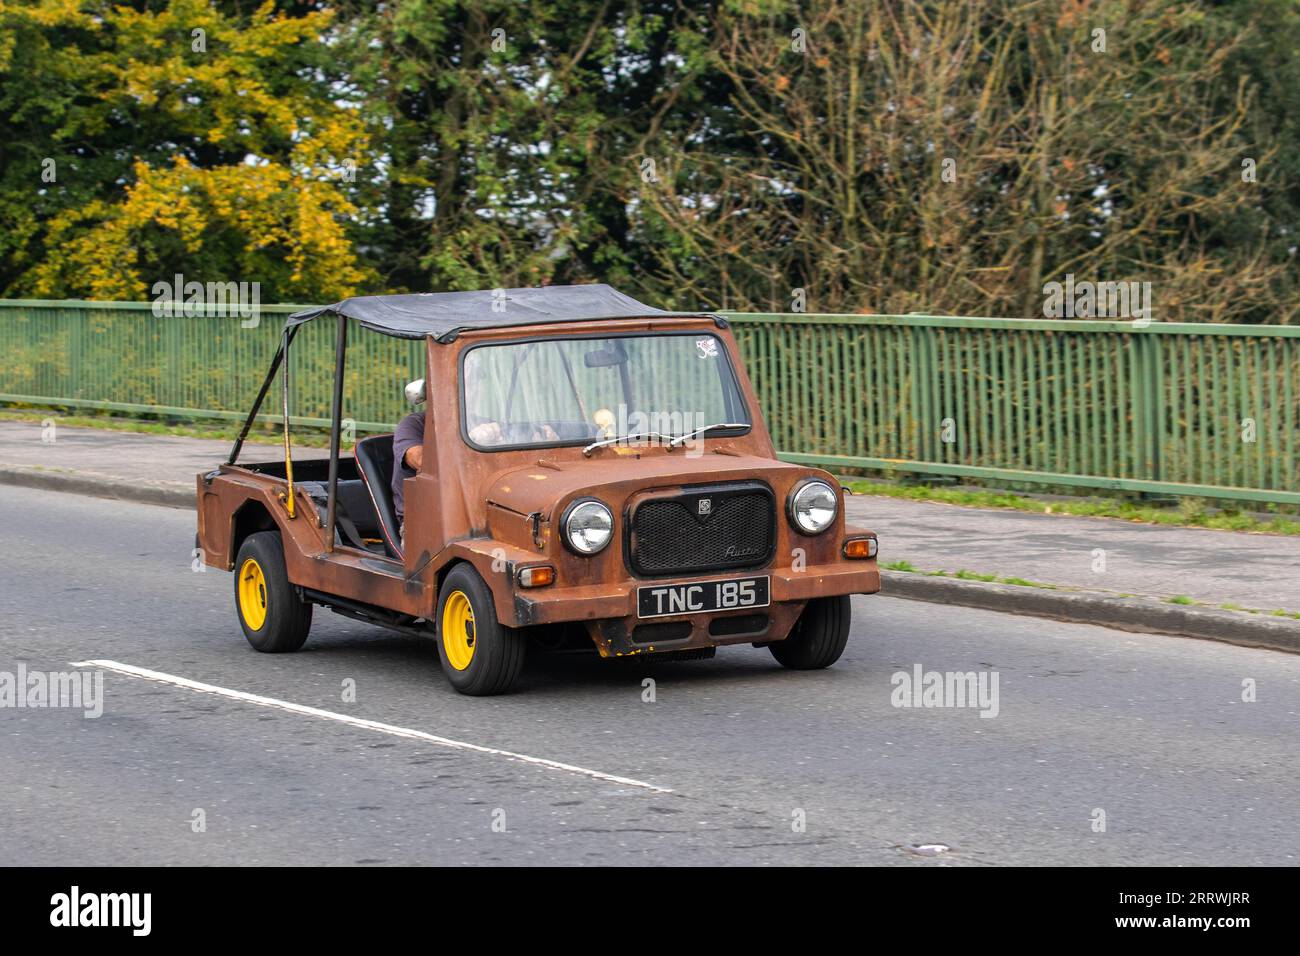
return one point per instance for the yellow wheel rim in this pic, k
(458, 630)
(252, 594)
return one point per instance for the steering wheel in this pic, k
(518, 433)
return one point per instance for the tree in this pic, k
(879, 155)
(954, 156)
(184, 138)
(514, 130)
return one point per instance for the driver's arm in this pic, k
(415, 457)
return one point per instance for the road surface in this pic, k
(761, 765)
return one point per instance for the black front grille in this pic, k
(706, 528)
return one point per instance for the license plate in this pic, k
(662, 600)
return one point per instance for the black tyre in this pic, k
(480, 656)
(818, 637)
(275, 620)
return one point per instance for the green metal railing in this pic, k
(118, 356)
(1188, 409)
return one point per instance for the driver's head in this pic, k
(414, 392)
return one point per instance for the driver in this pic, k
(408, 443)
(408, 456)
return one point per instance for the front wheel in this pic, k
(274, 618)
(480, 655)
(818, 637)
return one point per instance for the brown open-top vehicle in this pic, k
(594, 470)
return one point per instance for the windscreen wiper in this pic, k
(604, 442)
(682, 439)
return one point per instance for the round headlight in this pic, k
(813, 506)
(588, 526)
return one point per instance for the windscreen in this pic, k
(575, 390)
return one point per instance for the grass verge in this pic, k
(1190, 513)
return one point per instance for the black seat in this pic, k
(357, 522)
(375, 462)
(354, 501)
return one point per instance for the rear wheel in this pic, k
(480, 656)
(274, 618)
(818, 637)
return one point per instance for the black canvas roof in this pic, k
(443, 314)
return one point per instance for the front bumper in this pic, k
(610, 610)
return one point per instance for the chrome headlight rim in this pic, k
(792, 511)
(573, 509)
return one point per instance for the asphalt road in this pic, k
(1150, 729)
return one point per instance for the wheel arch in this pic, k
(249, 518)
(440, 578)
(496, 564)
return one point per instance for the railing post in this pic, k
(921, 369)
(1152, 391)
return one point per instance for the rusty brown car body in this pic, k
(501, 511)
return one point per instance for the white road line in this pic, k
(132, 671)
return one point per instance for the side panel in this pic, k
(221, 501)
(343, 572)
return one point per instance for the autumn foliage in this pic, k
(948, 156)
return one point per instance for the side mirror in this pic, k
(415, 392)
